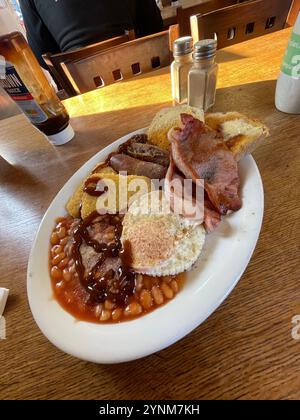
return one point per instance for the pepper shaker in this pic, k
(202, 78)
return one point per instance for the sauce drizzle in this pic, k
(91, 185)
(115, 285)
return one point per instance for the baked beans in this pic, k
(150, 292)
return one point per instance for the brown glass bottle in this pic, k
(27, 85)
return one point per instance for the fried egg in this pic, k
(161, 242)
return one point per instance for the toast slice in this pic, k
(166, 119)
(242, 134)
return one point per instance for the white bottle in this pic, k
(287, 98)
(183, 61)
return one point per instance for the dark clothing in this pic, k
(61, 25)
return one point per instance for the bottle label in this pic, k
(16, 89)
(291, 60)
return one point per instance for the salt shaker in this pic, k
(202, 78)
(183, 61)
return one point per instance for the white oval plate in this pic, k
(225, 257)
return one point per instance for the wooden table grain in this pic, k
(245, 349)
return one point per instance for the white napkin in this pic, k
(3, 299)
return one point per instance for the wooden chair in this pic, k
(184, 14)
(56, 62)
(295, 9)
(125, 61)
(241, 22)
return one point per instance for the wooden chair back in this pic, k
(184, 14)
(241, 22)
(294, 12)
(122, 62)
(55, 62)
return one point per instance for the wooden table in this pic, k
(245, 349)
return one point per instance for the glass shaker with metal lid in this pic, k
(183, 48)
(202, 78)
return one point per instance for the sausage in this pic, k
(123, 163)
(148, 153)
(138, 138)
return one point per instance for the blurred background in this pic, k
(10, 20)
